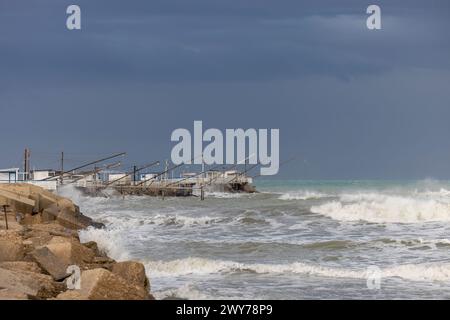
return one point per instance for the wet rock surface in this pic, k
(42, 242)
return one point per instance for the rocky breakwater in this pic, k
(41, 256)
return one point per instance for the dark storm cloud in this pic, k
(222, 41)
(310, 68)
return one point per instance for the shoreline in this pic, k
(41, 256)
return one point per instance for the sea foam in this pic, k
(201, 266)
(382, 208)
(302, 195)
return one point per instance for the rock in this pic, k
(13, 224)
(133, 272)
(30, 218)
(10, 294)
(101, 284)
(16, 199)
(37, 238)
(38, 248)
(100, 262)
(70, 251)
(94, 247)
(21, 266)
(103, 260)
(13, 235)
(70, 295)
(66, 204)
(30, 283)
(60, 239)
(75, 220)
(11, 250)
(50, 263)
(55, 229)
(46, 200)
(39, 206)
(50, 213)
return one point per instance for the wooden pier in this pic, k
(96, 178)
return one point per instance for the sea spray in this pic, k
(381, 208)
(200, 266)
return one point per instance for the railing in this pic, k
(49, 185)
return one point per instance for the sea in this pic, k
(291, 240)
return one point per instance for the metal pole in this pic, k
(156, 163)
(89, 164)
(62, 168)
(25, 164)
(6, 216)
(28, 165)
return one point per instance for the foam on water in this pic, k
(180, 220)
(225, 195)
(302, 195)
(383, 208)
(201, 266)
(186, 291)
(109, 241)
(442, 193)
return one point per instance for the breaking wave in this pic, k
(186, 291)
(381, 208)
(303, 195)
(109, 241)
(225, 195)
(200, 266)
(180, 220)
(441, 193)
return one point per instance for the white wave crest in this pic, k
(198, 266)
(181, 220)
(201, 266)
(187, 291)
(380, 208)
(225, 195)
(303, 195)
(109, 241)
(421, 272)
(443, 193)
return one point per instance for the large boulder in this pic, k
(38, 205)
(32, 284)
(37, 238)
(21, 266)
(101, 284)
(73, 220)
(11, 251)
(11, 294)
(50, 213)
(31, 218)
(11, 196)
(54, 229)
(71, 295)
(70, 252)
(133, 272)
(50, 263)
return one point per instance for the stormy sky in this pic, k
(350, 103)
